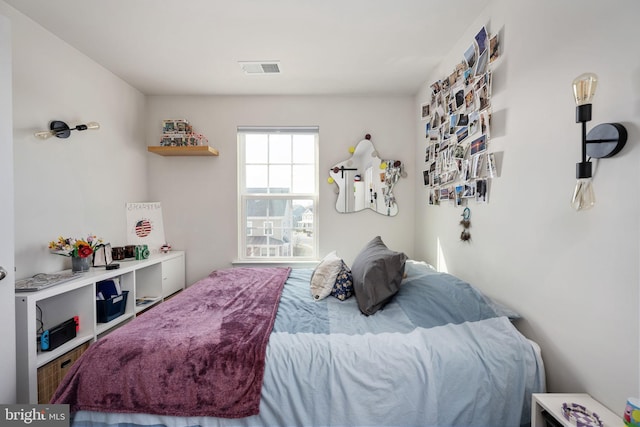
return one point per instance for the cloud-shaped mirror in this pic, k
(366, 182)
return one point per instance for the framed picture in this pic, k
(145, 226)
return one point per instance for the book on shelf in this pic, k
(145, 300)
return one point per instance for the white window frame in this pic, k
(264, 254)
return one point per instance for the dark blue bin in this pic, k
(109, 309)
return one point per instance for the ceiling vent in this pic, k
(260, 67)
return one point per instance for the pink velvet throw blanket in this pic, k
(201, 353)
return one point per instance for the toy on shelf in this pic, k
(179, 133)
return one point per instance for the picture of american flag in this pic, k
(144, 225)
(143, 228)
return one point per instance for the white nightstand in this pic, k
(552, 403)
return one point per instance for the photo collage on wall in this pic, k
(458, 165)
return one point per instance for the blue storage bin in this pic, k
(109, 309)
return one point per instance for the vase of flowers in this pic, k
(80, 250)
(80, 265)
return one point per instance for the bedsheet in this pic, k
(439, 354)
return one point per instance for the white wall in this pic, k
(198, 194)
(572, 275)
(78, 185)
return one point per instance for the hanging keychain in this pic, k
(465, 236)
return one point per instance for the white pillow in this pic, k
(324, 276)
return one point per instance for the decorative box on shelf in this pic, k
(179, 133)
(177, 126)
(179, 139)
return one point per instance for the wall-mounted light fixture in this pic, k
(62, 130)
(604, 140)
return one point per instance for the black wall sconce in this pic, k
(604, 140)
(62, 130)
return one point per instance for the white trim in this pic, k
(279, 129)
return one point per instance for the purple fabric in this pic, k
(202, 353)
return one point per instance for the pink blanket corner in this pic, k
(202, 353)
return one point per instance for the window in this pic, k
(277, 193)
(268, 228)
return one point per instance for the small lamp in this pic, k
(61, 129)
(604, 140)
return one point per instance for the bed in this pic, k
(439, 353)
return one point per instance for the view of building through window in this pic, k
(278, 192)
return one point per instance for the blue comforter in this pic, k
(439, 354)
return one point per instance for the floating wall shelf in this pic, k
(194, 150)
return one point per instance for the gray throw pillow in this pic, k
(377, 273)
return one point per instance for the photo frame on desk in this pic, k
(102, 255)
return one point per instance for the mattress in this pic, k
(440, 353)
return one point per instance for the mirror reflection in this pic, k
(366, 182)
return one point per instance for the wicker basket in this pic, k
(50, 375)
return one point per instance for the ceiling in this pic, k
(325, 47)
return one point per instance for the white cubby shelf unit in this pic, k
(158, 277)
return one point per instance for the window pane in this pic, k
(302, 240)
(280, 149)
(271, 233)
(256, 177)
(279, 228)
(256, 148)
(304, 179)
(280, 179)
(268, 228)
(304, 149)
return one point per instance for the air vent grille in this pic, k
(261, 67)
(271, 68)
